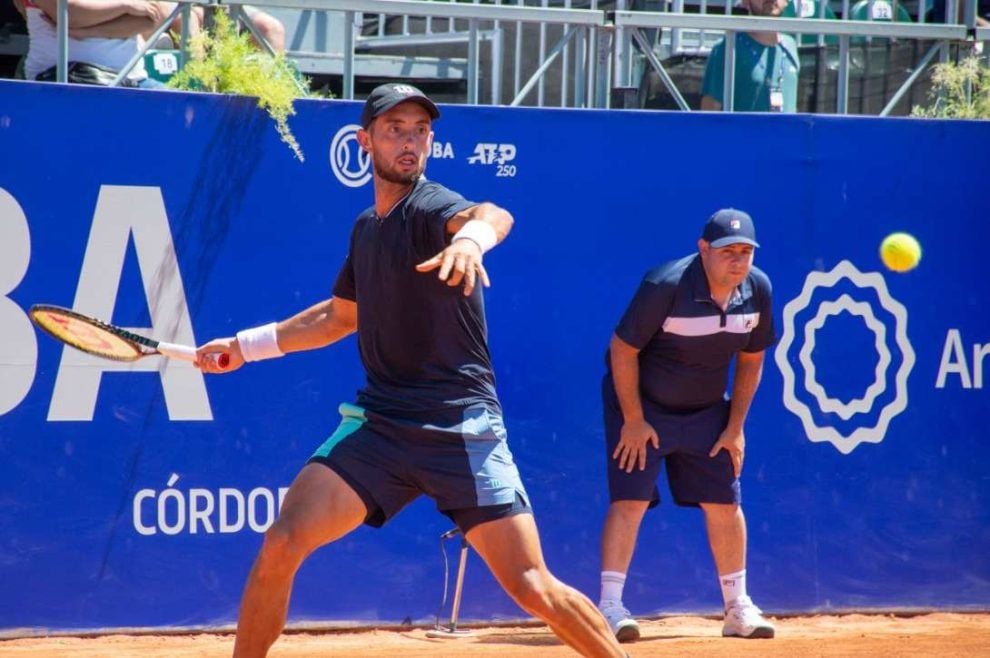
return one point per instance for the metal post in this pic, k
(472, 63)
(498, 39)
(620, 66)
(603, 60)
(842, 93)
(580, 69)
(62, 27)
(451, 631)
(348, 81)
(675, 34)
(543, 55)
(517, 59)
(455, 606)
(729, 72)
(564, 64)
(184, 35)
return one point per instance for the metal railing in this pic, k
(579, 25)
(594, 47)
(844, 29)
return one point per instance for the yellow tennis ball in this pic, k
(900, 252)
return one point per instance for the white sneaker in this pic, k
(620, 621)
(744, 619)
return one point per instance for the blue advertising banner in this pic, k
(136, 495)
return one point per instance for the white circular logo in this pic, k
(350, 163)
(803, 341)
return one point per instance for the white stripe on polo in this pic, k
(708, 325)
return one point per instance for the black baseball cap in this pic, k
(384, 97)
(729, 226)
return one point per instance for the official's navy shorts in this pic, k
(685, 441)
(461, 460)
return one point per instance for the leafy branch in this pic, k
(225, 61)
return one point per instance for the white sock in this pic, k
(612, 584)
(733, 586)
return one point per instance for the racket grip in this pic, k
(181, 352)
(223, 361)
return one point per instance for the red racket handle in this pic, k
(223, 360)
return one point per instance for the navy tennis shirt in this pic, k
(423, 343)
(686, 341)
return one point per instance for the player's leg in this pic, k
(350, 479)
(318, 508)
(510, 546)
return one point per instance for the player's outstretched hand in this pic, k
(633, 439)
(220, 356)
(459, 262)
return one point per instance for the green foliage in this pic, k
(950, 84)
(225, 61)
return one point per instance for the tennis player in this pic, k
(428, 420)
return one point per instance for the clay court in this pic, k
(939, 634)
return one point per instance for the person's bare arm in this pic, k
(86, 13)
(709, 104)
(318, 326)
(461, 260)
(122, 27)
(636, 431)
(498, 218)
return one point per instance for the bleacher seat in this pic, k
(162, 64)
(809, 9)
(877, 10)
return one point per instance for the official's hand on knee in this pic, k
(733, 442)
(631, 450)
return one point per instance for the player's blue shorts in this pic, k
(685, 440)
(461, 460)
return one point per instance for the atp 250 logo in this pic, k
(502, 156)
(853, 374)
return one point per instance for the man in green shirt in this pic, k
(766, 71)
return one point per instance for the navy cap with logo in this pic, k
(729, 226)
(384, 97)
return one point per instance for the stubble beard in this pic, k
(398, 179)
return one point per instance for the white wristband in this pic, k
(259, 343)
(479, 232)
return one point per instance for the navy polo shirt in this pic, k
(686, 341)
(423, 343)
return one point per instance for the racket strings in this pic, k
(87, 334)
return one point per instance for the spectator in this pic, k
(104, 35)
(938, 10)
(269, 27)
(766, 71)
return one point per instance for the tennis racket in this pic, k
(96, 337)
